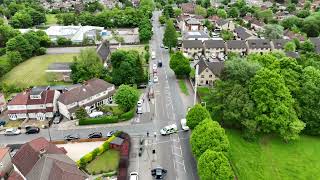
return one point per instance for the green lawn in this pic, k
(203, 92)
(32, 72)
(271, 158)
(51, 19)
(108, 161)
(183, 86)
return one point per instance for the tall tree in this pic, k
(273, 31)
(20, 44)
(21, 19)
(180, 65)
(196, 114)
(233, 12)
(222, 13)
(6, 33)
(86, 66)
(170, 38)
(126, 97)
(208, 135)
(214, 165)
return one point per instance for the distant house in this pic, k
(236, 46)
(75, 33)
(257, 25)
(192, 24)
(3, 104)
(208, 71)
(5, 163)
(103, 50)
(196, 35)
(43, 160)
(188, 8)
(316, 43)
(192, 48)
(287, 34)
(93, 93)
(278, 44)
(224, 24)
(60, 71)
(258, 46)
(37, 103)
(241, 33)
(214, 48)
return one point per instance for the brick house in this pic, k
(236, 46)
(191, 48)
(258, 46)
(91, 94)
(5, 162)
(214, 48)
(209, 71)
(37, 103)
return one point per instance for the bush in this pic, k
(62, 41)
(88, 157)
(101, 149)
(99, 120)
(82, 163)
(105, 146)
(95, 152)
(126, 116)
(41, 51)
(2, 51)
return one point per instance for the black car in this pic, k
(32, 130)
(159, 63)
(158, 173)
(2, 123)
(71, 137)
(95, 135)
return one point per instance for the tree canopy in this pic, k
(196, 114)
(126, 97)
(180, 64)
(170, 38)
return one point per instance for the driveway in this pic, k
(76, 150)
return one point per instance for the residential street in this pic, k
(172, 152)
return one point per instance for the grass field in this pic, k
(32, 72)
(271, 158)
(183, 87)
(51, 19)
(203, 92)
(108, 161)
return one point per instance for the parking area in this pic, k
(76, 150)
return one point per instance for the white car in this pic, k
(139, 110)
(12, 132)
(154, 67)
(134, 176)
(155, 79)
(139, 103)
(169, 129)
(184, 124)
(96, 114)
(153, 55)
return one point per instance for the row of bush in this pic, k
(82, 163)
(108, 119)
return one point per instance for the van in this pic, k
(133, 176)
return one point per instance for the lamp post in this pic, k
(195, 85)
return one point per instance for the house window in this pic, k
(202, 76)
(201, 82)
(210, 76)
(207, 70)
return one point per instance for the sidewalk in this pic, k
(71, 124)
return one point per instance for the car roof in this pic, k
(171, 126)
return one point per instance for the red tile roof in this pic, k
(19, 99)
(29, 154)
(15, 176)
(3, 152)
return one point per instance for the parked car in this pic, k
(153, 55)
(71, 137)
(57, 119)
(96, 114)
(139, 103)
(162, 46)
(32, 130)
(155, 79)
(159, 63)
(110, 133)
(158, 172)
(95, 135)
(12, 132)
(154, 66)
(2, 123)
(134, 176)
(184, 124)
(169, 129)
(139, 110)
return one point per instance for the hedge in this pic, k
(107, 119)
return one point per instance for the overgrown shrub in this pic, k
(127, 115)
(95, 152)
(88, 157)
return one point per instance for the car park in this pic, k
(71, 137)
(95, 135)
(32, 130)
(12, 132)
(134, 176)
(184, 124)
(2, 122)
(155, 79)
(169, 129)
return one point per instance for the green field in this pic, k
(107, 161)
(32, 72)
(183, 86)
(51, 19)
(271, 158)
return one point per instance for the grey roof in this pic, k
(89, 88)
(279, 43)
(242, 33)
(259, 44)
(293, 54)
(192, 44)
(214, 44)
(117, 141)
(236, 44)
(195, 35)
(55, 166)
(103, 50)
(222, 22)
(216, 67)
(59, 66)
(38, 90)
(193, 21)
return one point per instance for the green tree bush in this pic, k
(196, 114)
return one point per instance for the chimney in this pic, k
(42, 152)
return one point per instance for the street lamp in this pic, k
(195, 85)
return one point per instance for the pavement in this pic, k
(77, 150)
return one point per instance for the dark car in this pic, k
(159, 63)
(32, 130)
(158, 173)
(2, 123)
(57, 119)
(110, 133)
(95, 135)
(71, 137)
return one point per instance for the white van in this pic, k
(133, 176)
(96, 114)
(153, 55)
